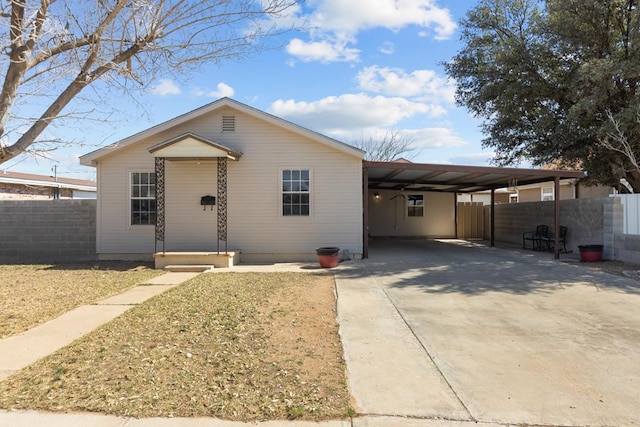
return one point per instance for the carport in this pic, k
(425, 177)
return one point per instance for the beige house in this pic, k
(569, 189)
(227, 178)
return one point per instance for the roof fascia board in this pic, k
(550, 173)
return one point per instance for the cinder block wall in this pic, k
(627, 248)
(47, 230)
(590, 221)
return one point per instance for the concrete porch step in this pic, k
(188, 268)
(200, 259)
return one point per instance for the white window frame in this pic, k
(415, 207)
(132, 197)
(284, 192)
(547, 194)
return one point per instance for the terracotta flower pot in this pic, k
(328, 256)
(590, 253)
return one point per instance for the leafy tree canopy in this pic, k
(555, 81)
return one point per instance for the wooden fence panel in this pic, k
(470, 223)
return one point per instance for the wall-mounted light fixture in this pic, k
(376, 195)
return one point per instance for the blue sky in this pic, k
(369, 66)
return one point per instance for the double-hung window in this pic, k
(296, 192)
(415, 205)
(547, 194)
(143, 198)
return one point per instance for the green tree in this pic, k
(555, 81)
(52, 50)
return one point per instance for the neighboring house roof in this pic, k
(571, 181)
(91, 159)
(8, 177)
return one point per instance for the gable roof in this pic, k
(190, 145)
(91, 159)
(8, 177)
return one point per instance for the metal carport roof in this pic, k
(404, 175)
(454, 178)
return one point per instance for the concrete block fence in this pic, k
(590, 221)
(47, 230)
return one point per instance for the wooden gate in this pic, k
(470, 223)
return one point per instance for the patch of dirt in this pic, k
(33, 294)
(619, 268)
(238, 346)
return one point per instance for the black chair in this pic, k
(535, 237)
(550, 240)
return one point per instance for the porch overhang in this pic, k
(190, 146)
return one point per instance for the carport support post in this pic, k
(556, 216)
(493, 217)
(365, 212)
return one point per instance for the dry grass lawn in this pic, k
(239, 346)
(32, 294)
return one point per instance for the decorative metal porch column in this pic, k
(159, 202)
(222, 202)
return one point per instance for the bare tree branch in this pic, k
(53, 49)
(627, 161)
(388, 147)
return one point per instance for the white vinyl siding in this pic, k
(115, 232)
(255, 196)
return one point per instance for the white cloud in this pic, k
(387, 48)
(165, 87)
(352, 16)
(336, 114)
(436, 137)
(222, 90)
(425, 84)
(336, 23)
(421, 139)
(322, 51)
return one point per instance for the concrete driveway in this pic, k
(470, 333)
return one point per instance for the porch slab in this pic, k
(189, 268)
(216, 259)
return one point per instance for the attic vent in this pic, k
(228, 123)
